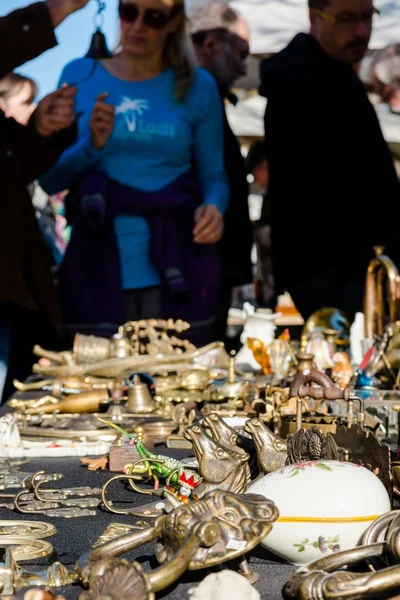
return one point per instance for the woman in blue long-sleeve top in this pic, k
(146, 177)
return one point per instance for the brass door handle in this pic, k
(207, 534)
(84, 566)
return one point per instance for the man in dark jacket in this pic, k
(333, 188)
(28, 303)
(221, 41)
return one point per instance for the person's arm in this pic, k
(85, 153)
(59, 10)
(50, 130)
(35, 153)
(209, 151)
(24, 34)
(75, 161)
(28, 32)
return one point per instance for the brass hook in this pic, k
(18, 507)
(35, 476)
(103, 494)
(31, 487)
(131, 478)
(168, 481)
(131, 469)
(36, 485)
(158, 491)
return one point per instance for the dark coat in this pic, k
(333, 190)
(237, 240)
(26, 279)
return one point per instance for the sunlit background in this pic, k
(272, 23)
(73, 41)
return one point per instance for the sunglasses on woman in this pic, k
(152, 17)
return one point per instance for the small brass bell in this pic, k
(139, 397)
(98, 46)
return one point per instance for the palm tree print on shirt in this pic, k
(131, 109)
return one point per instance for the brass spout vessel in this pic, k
(86, 402)
(380, 268)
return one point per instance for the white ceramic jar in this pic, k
(258, 325)
(325, 506)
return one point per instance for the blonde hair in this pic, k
(179, 54)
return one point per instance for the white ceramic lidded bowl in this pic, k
(324, 506)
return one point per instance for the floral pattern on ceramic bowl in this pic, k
(325, 506)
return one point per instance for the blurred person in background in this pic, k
(17, 97)
(28, 303)
(333, 187)
(148, 188)
(257, 165)
(221, 41)
(380, 72)
(17, 100)
(258, 168)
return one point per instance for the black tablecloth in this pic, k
(75, 536)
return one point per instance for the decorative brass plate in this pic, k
(26, 549)
(27, 529)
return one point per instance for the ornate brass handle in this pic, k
(327, 390)
(194, 536)
(206, 534)
(84, 566)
